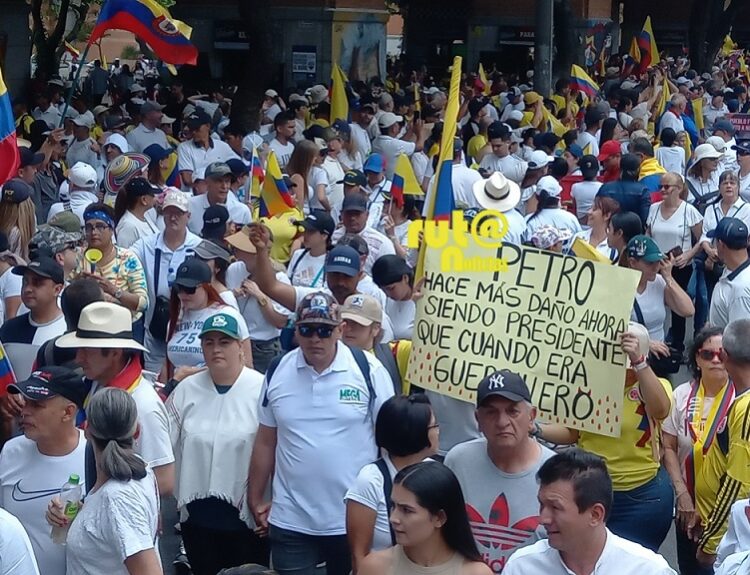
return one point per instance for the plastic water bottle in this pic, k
(70, 496)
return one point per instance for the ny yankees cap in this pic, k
(504, 383)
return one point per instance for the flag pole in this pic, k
(76, 78)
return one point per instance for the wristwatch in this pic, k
(117, 294)
(263, 302)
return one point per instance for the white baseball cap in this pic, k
(387, 119)
(177, 199)
(550, 185)
(82, 176)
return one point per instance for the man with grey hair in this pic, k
(725, 475)
(499, 469)
(672, 118)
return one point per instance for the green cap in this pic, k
(644, 248)
(223, 323)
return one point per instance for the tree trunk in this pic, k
(709, 24)
(564, 47)
(257, 76)
(46, 44)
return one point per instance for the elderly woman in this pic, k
(212, 470)
(118, 271)
(700, 408)
(643, 499)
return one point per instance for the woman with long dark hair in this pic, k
(306, 264)
(622, 227)
(431, 527)
(406, 432)
(133, 214)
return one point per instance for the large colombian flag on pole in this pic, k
(9, 159)
(647, 46)
(274, 195)
(152, 23)
(440, 202)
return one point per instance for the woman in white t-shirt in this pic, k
(306, 264)
(133, 214)
(674, 223)
(218, 259)
(698, 410)
(406, 432)
(193, 300)
(116, 531)
(670, 155)
(583, 193)
(299, 169)
(10, 283)
(598, 219)
(393, 275)
(657, 291)
(212, 462)
(395, 224)
(703, 174)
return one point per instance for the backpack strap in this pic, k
(383, 352)
(387, 489)
(296, 264)
(269, 374)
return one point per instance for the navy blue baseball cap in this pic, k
(742, 146)
(343, 260)
(732, 231)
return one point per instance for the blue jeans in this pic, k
(698, 291)
(294, 553)
(644, 514)
(686, 550)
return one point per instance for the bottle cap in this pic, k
(74, 479)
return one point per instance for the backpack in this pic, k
(387, 489)
(386, 356)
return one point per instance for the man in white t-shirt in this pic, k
(463, 179)
(106, 352)
(194, 155)
(148, 131)
(362, 116)
(313, 439)
(724, 129)
(354, 217)
(731, 297)
(36, 464)
(575, 500)
(376, 186)
(264, 317)
(390, 145)
(283, 142)
(16, 553)
(218, 181)
(501, 160)
(82, 180)
(499, 469)
(588, 139)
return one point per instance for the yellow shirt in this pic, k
(284, 232)
(560, 104)
(476, 143)
(630, 460)
(725, 475)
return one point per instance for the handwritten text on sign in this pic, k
(555, 319)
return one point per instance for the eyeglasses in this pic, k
(322, 331)
(89, 228)
(186, 289)
(710, 354)
(434, 426)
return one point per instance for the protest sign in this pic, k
(555, 319)
(741, 123)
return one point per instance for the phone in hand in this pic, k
(675, 252)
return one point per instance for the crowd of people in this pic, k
(169, 343)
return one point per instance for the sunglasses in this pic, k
(665, 186)
(187, 290)
(322, 331)
(710, 354)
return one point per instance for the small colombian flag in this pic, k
(582, 81)
(274, 195)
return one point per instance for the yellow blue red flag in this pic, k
(9, 159)
(274, 195)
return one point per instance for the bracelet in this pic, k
(641, 364)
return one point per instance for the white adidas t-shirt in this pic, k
(28, 480)
(184, 347)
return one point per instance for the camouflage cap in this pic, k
(67, 221)
(52, 239)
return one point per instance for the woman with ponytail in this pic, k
(115, 531)
(549, 211)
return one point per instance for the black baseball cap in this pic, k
(238, 167)
(140, 187)
(51, 381)
(354, 178)
(732, 231)
(45, 267)
(197, 119)
(318, 221)
(29, 158)
(192, 273)
(215, 217)
(742, 146)
(503, 383)
(354, 203)
(343, 260)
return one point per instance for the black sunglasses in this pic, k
(186, 289)
(323, 331)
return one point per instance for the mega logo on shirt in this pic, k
(349, 395)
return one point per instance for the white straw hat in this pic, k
(102, 325)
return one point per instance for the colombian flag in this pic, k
(274, 196)
(581, 81)
(257, 175)
(440, 202)
(647, 46)
(152, 23)
(9, 159)
(404, 181)
(6, 371)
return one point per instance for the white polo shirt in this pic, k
(509, 166)
(259, 327)
(361, 139)
(390, 148)
(192, 157)
(325, 424)
(731, 298)
(145, 250)
(141, 137)
(618, 556)
(239, 213)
